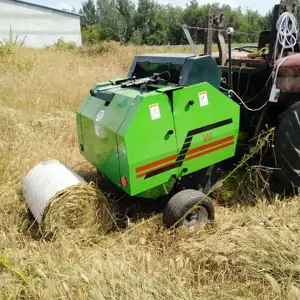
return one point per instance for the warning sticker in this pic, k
(154, 111)
(203, 98)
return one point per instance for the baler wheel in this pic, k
(287, 149)
(181, 203)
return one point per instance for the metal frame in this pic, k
(190, 40)
(220, 24)
(212, 23)
(209, 21)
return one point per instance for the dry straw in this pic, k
(229, 261)
(79, 208)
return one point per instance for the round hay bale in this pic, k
(80, 208)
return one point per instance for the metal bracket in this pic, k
(190, 40)
(220, 24)
(290, 6)
(215, 21)
(209, 21)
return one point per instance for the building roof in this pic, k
(45, 7)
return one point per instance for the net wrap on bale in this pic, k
(61, 200)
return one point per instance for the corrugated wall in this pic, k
(39, 26)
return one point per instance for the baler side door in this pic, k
(207, 124)
(150, 142)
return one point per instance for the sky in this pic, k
(259, 5)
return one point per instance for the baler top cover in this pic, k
(185, 69)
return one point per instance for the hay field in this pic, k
(250, 253)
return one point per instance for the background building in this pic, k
(39, 25)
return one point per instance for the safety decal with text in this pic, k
(203, 98)
(154, 111)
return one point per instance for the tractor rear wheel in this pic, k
(181, 203)
(287, 149)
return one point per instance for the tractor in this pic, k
(167, 129)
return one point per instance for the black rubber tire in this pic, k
(287, 149)
(181, 202)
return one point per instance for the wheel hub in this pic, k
(198, 215)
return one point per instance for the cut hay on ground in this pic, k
(80, 208)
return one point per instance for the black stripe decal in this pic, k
(161, 170)
(188, 139)
(209, 127)
(185, 148)
(183, 151)
(186, 145)
(181, 157)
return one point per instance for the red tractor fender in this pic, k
(288, 79)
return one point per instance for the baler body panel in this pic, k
(143, 134)
(147, 142)
(206, 130)
(200, 69)
(99, 127)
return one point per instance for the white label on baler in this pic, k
(275, 94)
(100, 115)
(97, 130)
(203, 98)
(154, 111)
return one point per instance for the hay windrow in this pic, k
(78, 208)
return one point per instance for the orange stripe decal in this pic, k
(209, 151)
(185, 154)
(218, 142)
(162, 162)
(156, 163)
(145, 173)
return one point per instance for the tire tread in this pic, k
(181, 202)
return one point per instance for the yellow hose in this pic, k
(259, 53)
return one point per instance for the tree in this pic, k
(194, 15)
(236, 19)
(144, 18)
(88, 12)
(266, 21)
(112, 23)
(157, 24)
(252, 25)
(127, 9)
(90, 34)
(174, 22)
(136, 38)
